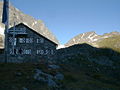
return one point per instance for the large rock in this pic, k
(52, 83)
(24, 88)
(59, 76)
(53, 67)
(49, 79)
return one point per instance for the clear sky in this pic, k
(68, 18)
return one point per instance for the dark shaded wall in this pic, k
(29, 47)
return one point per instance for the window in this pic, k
(10, 39)
(40, 40)
(25, 40)
(13, 41)
(29, 40)
(12, 52)
(27, 51)
(45, 52)
(21, 40)
(20, 51)
(15, 51)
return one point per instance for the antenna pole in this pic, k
(6, 42)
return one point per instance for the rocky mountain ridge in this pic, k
(90, 38)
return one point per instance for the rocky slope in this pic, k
(79, 67)
(102, 64)
(18, 16)
(93, 39)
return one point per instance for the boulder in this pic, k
(52, 83)
(24, 88)
(53, 67)
(59, 76)
(50, 80)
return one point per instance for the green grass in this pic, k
(112, 42)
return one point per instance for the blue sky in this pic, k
(68, 18)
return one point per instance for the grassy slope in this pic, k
(112, 42)
(87, 78)
(74, 79)
(9, 80)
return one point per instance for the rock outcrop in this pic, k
(50, 80)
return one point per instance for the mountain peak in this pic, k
(90, 38)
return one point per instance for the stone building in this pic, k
(27, 45)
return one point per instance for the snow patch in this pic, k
(1, 30)
(35, 22)
(60, 46)
(82, 35)
(73, 40)
(91, 38)
(106, 37)
(95, 39)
